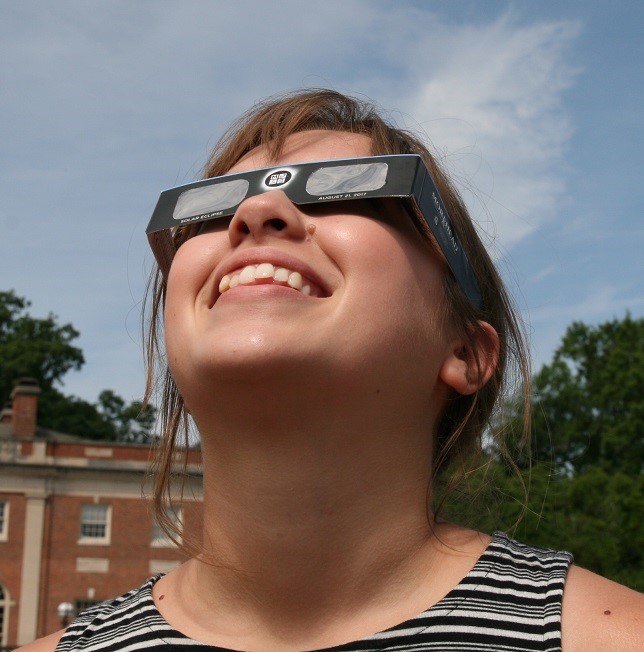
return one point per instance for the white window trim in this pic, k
(5, 604)
(97, 541)
(4, 531)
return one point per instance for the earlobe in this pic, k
(470, 364)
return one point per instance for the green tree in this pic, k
(589, 403)
(73, 415)
(133, 421)
(43, 349)
(38, 348)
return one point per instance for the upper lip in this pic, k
(266, 255)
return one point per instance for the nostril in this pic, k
(277, 224)
(271, 224)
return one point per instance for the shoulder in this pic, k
(543, 568)
(45, 644)
(101, 622)
(599, 614)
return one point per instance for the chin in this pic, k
(243, 362)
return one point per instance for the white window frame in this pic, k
(4, 520)
(5, 605)
(159, 538)
(91, 540)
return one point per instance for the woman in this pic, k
(334, 356)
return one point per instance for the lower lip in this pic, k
(259, 291)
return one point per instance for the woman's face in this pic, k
(344, 296)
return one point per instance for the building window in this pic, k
(95, 524)
(4, 520)
(159, 538)
(4, 612)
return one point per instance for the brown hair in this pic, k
(460, 427)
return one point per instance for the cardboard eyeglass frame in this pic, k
(407, 177)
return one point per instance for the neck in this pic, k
(302, 504)
(316, 521)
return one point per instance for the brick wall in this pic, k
(11, 556)
(127, 556)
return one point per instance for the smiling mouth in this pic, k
(267, 273)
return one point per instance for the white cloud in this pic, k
(492, 99)
(544, 273)
(605, 301)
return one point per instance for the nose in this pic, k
(270, 214)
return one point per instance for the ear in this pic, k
(470, 364)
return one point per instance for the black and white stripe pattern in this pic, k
(510, 600)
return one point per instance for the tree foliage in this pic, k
(133, 421)
(585, 481)
(38, 348)
(589, 403)
(44, 349)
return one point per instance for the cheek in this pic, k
(393, 290)
(193, 265)
(188, 284)
(200, 252)
(395, 262)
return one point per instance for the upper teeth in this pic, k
(264, 271)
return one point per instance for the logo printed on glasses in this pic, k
(278, 178)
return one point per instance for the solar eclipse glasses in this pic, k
(403, 175)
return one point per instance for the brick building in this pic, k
(75, 526)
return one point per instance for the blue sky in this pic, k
(534, 107)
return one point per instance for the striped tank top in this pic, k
(510, 600)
